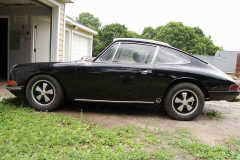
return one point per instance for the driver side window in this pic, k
(134, 53)
(108, 55)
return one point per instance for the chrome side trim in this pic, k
(10, 88)
(109, 101)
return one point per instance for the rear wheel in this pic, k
(44, 93)
(184, 101)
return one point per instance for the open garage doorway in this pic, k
(4, 48)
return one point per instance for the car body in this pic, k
(129, 70)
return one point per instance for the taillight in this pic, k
(234, 87)
(12, 83)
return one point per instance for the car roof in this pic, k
(142, 40)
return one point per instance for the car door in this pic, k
(122, 73)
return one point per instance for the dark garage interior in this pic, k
(4, 47)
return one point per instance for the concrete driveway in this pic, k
(3, 91)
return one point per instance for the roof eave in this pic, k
(69, 1)
(82, 27)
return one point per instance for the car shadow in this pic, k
(111, 109)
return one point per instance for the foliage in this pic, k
(111, 31)
(214, 115)
(92, 22)
(205, 151)
(89, 20)
(148, 33)
(97, 45)
(186, 38)
(132, 34)
(27, 134)
(189, 39)
(233, 143)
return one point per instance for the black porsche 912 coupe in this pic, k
(128, 71)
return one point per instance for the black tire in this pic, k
(44, 93)
(184, 101)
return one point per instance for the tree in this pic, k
(92, 22)
(199, 32)
(146, 36)
(89, 20)
(188, 39)
(111, 31)
(97, 46)
(148, 33)
(132, 34)
(210, 48)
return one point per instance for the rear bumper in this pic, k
(223, 95)
(16, 90)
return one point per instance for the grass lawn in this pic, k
(26, 134)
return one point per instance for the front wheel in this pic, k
(44, 93)
(184, 101)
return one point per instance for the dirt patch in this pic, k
(204, 129)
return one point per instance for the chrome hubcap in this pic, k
(43, 92)
(185, 102)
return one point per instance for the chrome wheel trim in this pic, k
(43, 92)
(185, 102)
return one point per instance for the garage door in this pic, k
(80, 47)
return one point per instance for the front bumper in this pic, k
(223, 95)
(16, 90)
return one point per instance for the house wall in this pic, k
(23, 54)
(71, 28)
(61, 31)
(237, 71)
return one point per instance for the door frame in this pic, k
(33, 38)
(69, 44)
(55, 27)
(8, 67)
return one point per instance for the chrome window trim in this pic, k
(178, 52)
(153, 45)
(105, 52)
(110, 101)
(142, 40)
(155, 55)
(140, 43)
(115, 52)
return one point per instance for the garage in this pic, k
(32, 31)
(80, 46)
(78, 40)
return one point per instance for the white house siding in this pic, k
(61, 32)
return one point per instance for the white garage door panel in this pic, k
(80, 47)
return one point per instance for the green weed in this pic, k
(163, 154)
(205, 151)
(27, 134)
(233, 143)
(214, 115)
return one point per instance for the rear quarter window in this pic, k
(170, 56)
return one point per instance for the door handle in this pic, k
(146, 71)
